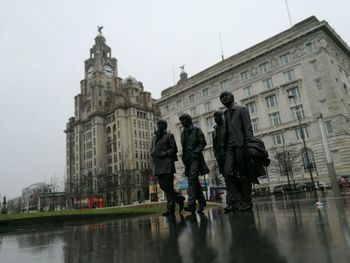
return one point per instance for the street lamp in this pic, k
(292, 97)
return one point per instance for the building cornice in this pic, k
(305, 27)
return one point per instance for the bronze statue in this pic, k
(218, 140)
(238, 130)
(193, 143)
(163, 153)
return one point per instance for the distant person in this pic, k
(238, 131)
(163, 153)
(193, 143)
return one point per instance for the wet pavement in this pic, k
(277, 230)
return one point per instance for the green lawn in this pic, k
(141, 209)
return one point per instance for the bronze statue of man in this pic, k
(218, 137)
(238, 131)
(193, 143)
(163, 153)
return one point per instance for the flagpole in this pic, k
(290, 20)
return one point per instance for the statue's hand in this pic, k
(162, 155)
(194, 155)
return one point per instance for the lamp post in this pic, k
(292, 97)
(286, 167)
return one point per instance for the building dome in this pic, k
(130, 80)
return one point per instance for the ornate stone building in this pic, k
(296, 75)
(108, 137)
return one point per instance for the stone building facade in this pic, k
(107, 140)
(309, 62)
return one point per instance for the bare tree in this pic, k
(286, 161)
(145, 177)
(56, 185)
(125, 176)
(216, 176)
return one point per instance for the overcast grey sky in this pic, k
(44, 44)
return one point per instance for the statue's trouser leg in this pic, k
(245, 188)
(166, 183)
(194, 187)
(233, 184)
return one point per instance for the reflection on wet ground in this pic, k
(276, 231)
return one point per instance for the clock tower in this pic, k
(100, 63)
(108, 137)
(101, 80)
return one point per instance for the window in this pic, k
(318, 83)
(308, 161)
(329, 127)
(251, 107)
(278, 139)
(179, 104)
(335, 156)
(268, 83)
(294, 92)
(323, 107)
(191, 98)
(210, 122)
(205, 92)
(313, 65)
(298, 111)
(247, 91)
(264, 67)
(271, 101)
(300, 133)
(224, 85)
(285, 58)
(194, 111)
(289, 75)
(255, 125)
(245, 75)
(210, 137)
(275, 118)
(308, 48)
(207, 106)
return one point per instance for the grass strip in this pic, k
(140, 209)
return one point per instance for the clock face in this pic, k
(90, 72)
(108, 71)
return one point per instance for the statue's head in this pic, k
(162, 125)
(227, 98)
(186, 120)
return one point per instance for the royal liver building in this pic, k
(108, 137)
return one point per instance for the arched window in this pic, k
(108, 129)
(308, 160)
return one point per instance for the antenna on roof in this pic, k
(290, 20)
(222, 51)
